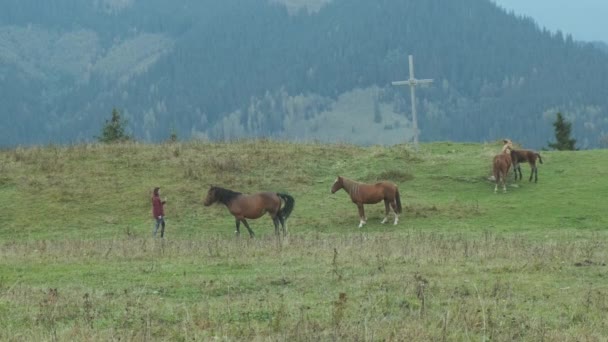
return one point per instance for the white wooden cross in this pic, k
(413, 82)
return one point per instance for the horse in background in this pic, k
(361, 193)
(500, 168)
(520, 156)
(254, 206)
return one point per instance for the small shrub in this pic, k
(114, 129)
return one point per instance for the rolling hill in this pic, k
(230, 70)
(79, 262)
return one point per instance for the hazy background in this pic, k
(302, 70)
(584, 19)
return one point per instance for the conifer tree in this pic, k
(114, 129)
(562, 135)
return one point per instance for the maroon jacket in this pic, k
(157, 205)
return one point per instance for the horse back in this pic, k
(529, 156)
(255, 205)
(387, 189)
(518, 156)
(270, 199)
(502, 161)
(367, 193)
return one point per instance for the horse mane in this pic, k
(225, 195)
(349, 184)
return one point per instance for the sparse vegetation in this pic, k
(78, 262)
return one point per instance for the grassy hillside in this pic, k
(463, 263)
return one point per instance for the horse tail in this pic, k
(289, 204)
(539, 158)
(398, 200)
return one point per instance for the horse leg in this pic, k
(282, 221)
(275, 221)
(238, 227)
(394, 205)
(519, 170)
(361, 215)
(251, 234)
(535, 172)
(504, 180)
(386, 210)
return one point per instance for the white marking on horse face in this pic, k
(332, 186)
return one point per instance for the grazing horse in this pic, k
(254, 206)
(361, 193)
(500, 168)
(520, 156)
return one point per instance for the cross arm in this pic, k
(412, 82)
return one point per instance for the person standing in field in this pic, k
(158, 211)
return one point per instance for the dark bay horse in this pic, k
(254, 206)
(500, 167)
(520, 156)
(361, 193)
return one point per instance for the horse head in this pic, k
(338, 184)
(211, 197)
(507, 144)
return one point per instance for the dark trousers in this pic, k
(160, 222)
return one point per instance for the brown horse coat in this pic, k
(500, 168)
(520, 156)
(362, 193)
(253, 206)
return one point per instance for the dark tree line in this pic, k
(495, 74)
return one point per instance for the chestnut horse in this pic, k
(254, 206)
(500, 167)
(520, 156)
(361, 193)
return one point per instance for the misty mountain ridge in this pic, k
(308, 70)
(602, 46)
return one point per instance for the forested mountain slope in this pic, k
(231, 69)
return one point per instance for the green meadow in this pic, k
(78, 261)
